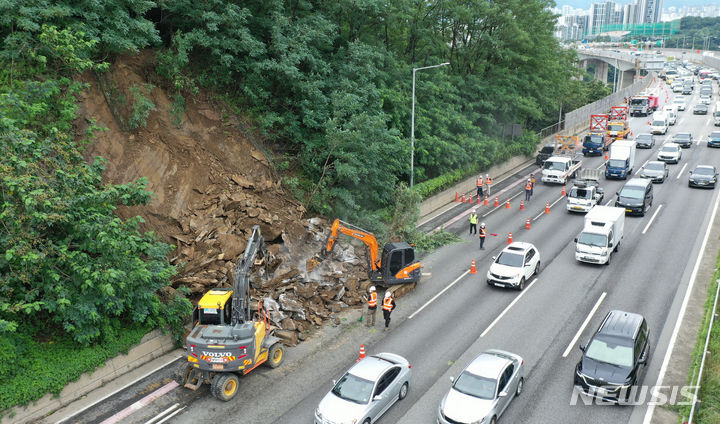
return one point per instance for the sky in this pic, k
(585, 4)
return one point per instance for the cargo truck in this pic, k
(601, 235)
(622, 159)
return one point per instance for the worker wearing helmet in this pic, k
(372, 307)
(528, 189)
(488, 181)
(482, 235)
(388, 306)
(473, 221)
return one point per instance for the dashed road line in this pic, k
(502, 314)
(651, 219)
(439, 294)
(584, 324)
(681, 171)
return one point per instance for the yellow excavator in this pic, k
(397, 265)
(229, 340)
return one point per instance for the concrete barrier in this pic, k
(153, 345)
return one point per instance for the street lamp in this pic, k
(412, 121)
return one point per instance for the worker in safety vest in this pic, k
(372, 307)
(473, 222)
(479, 185)
(388, 306)
(482, 235)
(532, 181)
(488, 181)
(528, 190)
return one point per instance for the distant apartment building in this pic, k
(650, 11)
(571, 26)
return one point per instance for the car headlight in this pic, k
(317, 413)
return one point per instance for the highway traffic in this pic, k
(453, 315)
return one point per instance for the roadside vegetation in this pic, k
(327, 84)
(697, 28)
(709, 396)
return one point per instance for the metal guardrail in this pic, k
(696, 401)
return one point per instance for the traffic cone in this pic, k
(563, 192)
(527, 224)
(547, 207)
(606, 156)
(457, 196)
(473, 270)
(522, 205)
(470, 199)
(463, 198)
(479, 200)
(486, 202)
(497, 203)
(362, 353)
(507, 204)
(509, 238)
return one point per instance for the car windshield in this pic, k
(554, 166)
(610, 352)
(669, 149)
(703, 171)
(592, 239)
(632, 192)
(581, 193)
(615, 127)
(654, 166)
(510, 259)
(475, 386)
(715, 134)
(593, 139)
(638, 101)
(547, 149)
(354, 389)
(658, 123)
(682, 136)
(616, 163)
(679, 101)
(644, 137)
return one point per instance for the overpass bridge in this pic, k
(630, 65)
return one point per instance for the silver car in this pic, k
(484, 389)
(366, 391)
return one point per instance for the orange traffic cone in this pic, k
(473, 270)
(486, 202)
(479, 200)
(497, 203)
(470, 199)
(509, 238)
(457, 196)
(463, 198)
(507, 204)
(547, 207)
(362, 353)
(606, 156)
(527, 224)
(563, 192)
(522, 205)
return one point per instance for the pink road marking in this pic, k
(142, 402)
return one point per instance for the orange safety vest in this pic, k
(528, 186)
(372, 301)
(387, 304)
(482, 233)
(479, 182)
(488, 181)
(532, 180)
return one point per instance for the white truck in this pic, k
(585, 192)
(558, 169)
(622, 159)
(601, 235)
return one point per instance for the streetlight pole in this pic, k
(412, 122)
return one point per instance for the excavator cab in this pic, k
(399, 264)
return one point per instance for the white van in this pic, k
(716, 114)
(671, 114)
(659, 123)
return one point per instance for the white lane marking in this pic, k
(439, 294)
(427, 274)
(584, 324)
(641, 167)
(502, 314)
(708, 121)
(119, 389)
(162, 414)
(551, 205)
(673, 338)
(609, 201)
(141, 403)
(502, 205)
(651, 219)
(697, 143)
(171, 415)
(681, 171)
(602, 165)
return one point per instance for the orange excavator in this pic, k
(397, 265)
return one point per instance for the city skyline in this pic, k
(586, 4)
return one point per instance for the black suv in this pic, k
(544, 154)
(614, 360)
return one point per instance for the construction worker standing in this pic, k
(372, 307)
(388, 306)
(528, 190)
(479, 185)
(488, 181)
(473, 222)
(482, 235)
(532, 181)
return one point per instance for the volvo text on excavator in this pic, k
(229, 339)
(397, 265)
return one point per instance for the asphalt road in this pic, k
(648, 275)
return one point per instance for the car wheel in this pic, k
(609, 256)
(520, 386)
(493, 420)
(537, 269)
(367, 421)
(275, 356)
(521, 285)
(403, 391)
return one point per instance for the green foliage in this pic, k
(178, 109)
(141, 106)
(33, 362)
(438, 184)
(693, 32)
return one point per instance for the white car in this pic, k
(679, 103)
(705, 99)
(514, 266)
(670, 153)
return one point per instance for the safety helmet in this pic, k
(482, 225)
(487, 175)
(387, 294)
(372, 288)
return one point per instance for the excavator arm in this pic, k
(255, 252)
(341, 227)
